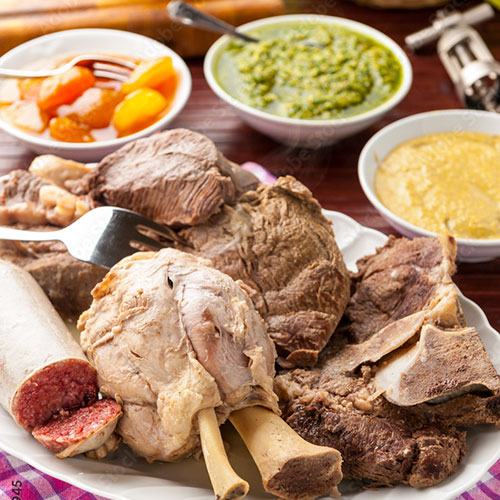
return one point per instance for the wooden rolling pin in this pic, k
(291, 468)
(148, 17)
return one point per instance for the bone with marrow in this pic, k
(390, 389)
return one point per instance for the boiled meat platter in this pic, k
(123, 476)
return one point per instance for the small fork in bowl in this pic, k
(102, 236)
(112, 68)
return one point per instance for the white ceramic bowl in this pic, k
(102, 41)
(384, 141)
(302, 132)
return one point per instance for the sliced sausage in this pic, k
(44, 373)
(80, 430)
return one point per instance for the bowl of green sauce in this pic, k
(310, 80)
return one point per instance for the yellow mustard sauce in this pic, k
(446, 183)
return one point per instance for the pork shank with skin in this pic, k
(170, 336)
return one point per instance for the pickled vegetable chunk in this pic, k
(27, 116)
(29, 88)
(137, 110)
(94, 108)
(78, 106)
(149, 74)
(65, 88)
(67, 130)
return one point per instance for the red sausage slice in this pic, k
(60, 386)
(77, 431)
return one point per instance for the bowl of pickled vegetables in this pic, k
(79, 114)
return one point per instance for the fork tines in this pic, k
(111, 71)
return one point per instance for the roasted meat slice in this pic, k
(177, 178)
(276, 240)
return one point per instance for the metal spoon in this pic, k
(187, 14)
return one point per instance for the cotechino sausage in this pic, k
(46, 382)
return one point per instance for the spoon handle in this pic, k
(187, 14)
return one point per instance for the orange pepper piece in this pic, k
(168, 87)
(65, 88)
(138, 110)
(150, 74)
(67, 130)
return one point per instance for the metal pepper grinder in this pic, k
(467, 59)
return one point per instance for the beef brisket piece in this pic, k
(177, 178)
(277, 241)
(381, 444)
(66, 280)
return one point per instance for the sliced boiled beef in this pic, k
(341, 403)
(405, 277)
(277, 241)
(176, 178)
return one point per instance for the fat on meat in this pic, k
(170, 336)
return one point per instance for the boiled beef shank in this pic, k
(277, 241)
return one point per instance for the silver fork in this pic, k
(102, 236)
(102, 66)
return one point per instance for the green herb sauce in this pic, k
(348, 75)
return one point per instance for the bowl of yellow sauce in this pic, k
(439, 173)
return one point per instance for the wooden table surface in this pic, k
(330, 173)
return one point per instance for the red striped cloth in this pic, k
(18, 479)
